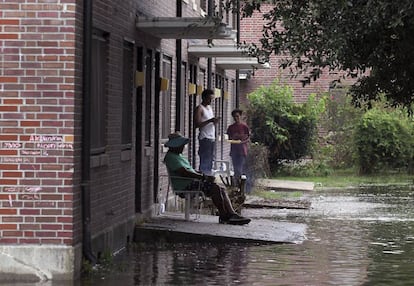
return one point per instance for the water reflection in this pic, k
(362, 237)
(190, 264)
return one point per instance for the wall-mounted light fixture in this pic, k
(164, 84)
(217, 92)
(139, 78)
(199, 89)
(192, 88)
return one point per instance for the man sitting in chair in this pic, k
(178, 165)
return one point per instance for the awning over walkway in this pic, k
(241, 63)
(185, 28)
(227, 56)
(216, 51)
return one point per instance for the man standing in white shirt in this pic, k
(205, 121)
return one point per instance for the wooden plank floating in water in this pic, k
(272, 184)
(277, 204)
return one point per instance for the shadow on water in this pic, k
(359, 237)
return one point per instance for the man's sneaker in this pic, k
(224, 219)
(234, 219)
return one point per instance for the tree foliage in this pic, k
(350, 35)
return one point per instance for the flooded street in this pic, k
(354, 237)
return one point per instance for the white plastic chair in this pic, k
(190, 196)
(222, 167)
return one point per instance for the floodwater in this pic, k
(354, 237)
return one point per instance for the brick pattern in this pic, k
(40, 112)
(251, 31)
(37, 129)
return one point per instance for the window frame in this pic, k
(98, 99)
(128, 49)
(166, 97)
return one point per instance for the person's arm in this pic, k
(183, 172)
(198, 115)
(229, 132)
(247, 134)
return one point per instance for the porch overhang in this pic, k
(241, 63)
(185, 28)
(216, 51)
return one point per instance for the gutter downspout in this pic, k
(178, 87)
(210, 11)
(238, 42)
(86, 127)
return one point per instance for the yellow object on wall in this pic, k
(191, 88)
(226, 95)
(165, 83)
(139, 78)
(217, 92)
(199, 89)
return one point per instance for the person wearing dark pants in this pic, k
(178, 165)
(239, 136)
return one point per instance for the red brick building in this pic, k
(250, 32)
(89, 91)
(88, 94)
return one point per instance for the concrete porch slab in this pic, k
(172, 227)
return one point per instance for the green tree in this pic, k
(350, 35)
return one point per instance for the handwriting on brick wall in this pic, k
(26, 193)
(17, 156)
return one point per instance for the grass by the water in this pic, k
(338, 179)
(349, 178)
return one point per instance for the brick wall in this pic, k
(37, 129)
(41, 124)
(251, 31)
(41, 116)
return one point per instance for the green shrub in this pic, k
(338, 123)
(303, 168)
(384, 139)
(287, 129)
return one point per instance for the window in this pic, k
(202, 77)
(227, 16)
(218, 102)
(127, 94)
(220, 9)
(203, 5)
(98, 91)
(234, 20)
(148, 97)
(166, 98)
(183, 98)
(226, 110)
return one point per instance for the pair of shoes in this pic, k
(234, 219)
(223, 219)
(238, 220)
